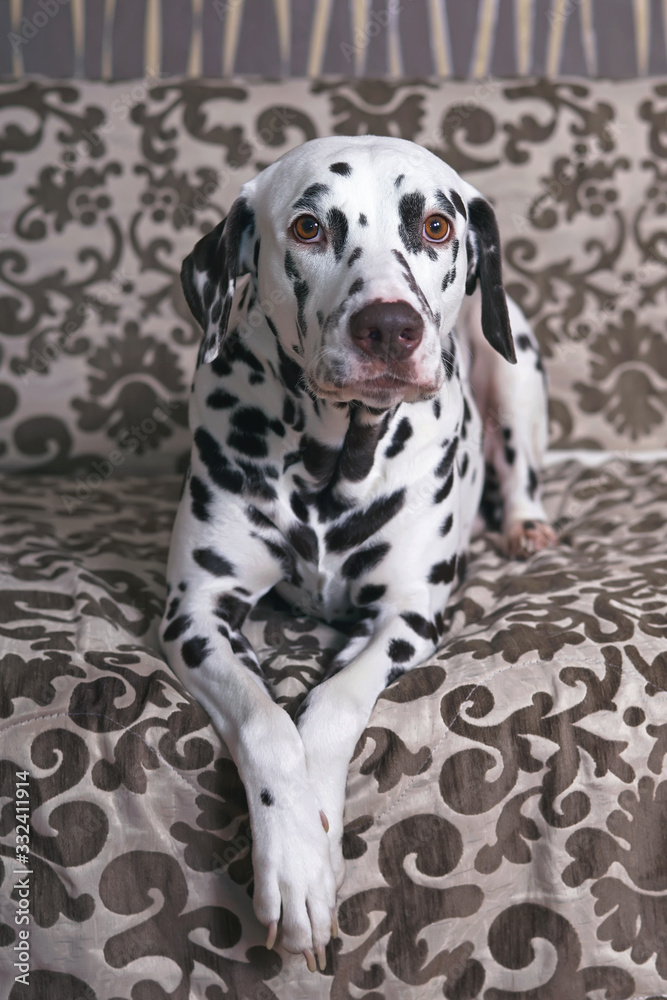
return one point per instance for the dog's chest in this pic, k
(323, 484)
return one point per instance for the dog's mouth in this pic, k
(383, 389)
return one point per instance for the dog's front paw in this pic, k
(295, 885)
(523, 538)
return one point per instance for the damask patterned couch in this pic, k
(506, 821)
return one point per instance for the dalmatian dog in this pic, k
(356, 338)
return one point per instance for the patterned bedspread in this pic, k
(506, 818)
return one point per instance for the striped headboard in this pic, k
(124, 39)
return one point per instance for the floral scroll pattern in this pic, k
(506, 816)
(106, 190)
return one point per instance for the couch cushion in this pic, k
(505, 816)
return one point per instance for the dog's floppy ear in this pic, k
(209, 274)
(483, 247)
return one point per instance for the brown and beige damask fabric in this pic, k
(506, 819)
(105, 188)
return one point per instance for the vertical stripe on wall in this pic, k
(196, 53)
(523, 26)
(16, 12)
(107, 39)
(283, 17)
(120, 39)
(641, 12)
(78, 14)
(318, 36)
(439, 38)
(153, 38)
(482, 50)
(557, 19)
(233, 18)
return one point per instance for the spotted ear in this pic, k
(484, 262)
(209, 274)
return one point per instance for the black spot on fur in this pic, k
(250, 426)
(298, 506)
(304, 541)
(458, 203)
(449, 277)
(290, 371)
(399, 180)
(467, 417)
(422, 626)
(445, 204)
(237, 351)
(337, 225)
(445, 464)
(213, 562)
(286, 559)
(411, 212)
(446, 525)
(358, 454)
(413, 284)
(400, 650)
(194, 651)
(319, 459)
(443, 492)
(402, 434)
(201, 498)
(355, 287)
(232, 610)
(182, 586)
(370, 593)
(342, 168)
(221, 400)
(177, 628)
(218, 466)
(173, 608)
(360, 525)
(355, 255)
(364, 560)
(533, 483)
(510, 455)
(523, 342)
(437, 407)
(443, 572)
(256, 517)
(265, 795)
(310, 197)
(363, 221)
(255, 479)
(463, 468)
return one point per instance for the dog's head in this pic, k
(360, 251)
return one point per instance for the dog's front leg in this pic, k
(336, 712)
(215, 580)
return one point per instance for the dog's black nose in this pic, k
(389, 330)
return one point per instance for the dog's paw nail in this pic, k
(325, 821)
(310, 960)
(272, 935)
(321, 957)
(334, 924)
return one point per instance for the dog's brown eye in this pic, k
(306, 228)
(436, 228)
